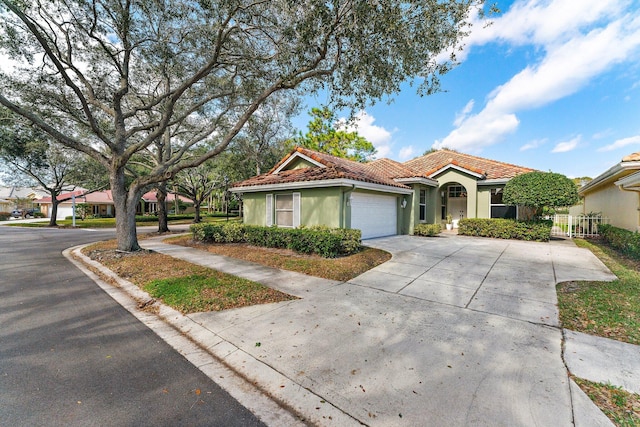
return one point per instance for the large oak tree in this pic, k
(109, 78)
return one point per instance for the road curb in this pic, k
(274, 398)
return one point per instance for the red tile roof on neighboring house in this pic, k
(334, 168)
(96, 197)
(490, 169)
(106, 197)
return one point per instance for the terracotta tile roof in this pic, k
(391, 169)
(491, 169)
(334, 168)
(381, 171)
(633, 157)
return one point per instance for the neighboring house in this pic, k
(6, 205)
(381, 198)
(101, 203)
(11, 197)
(616, 194)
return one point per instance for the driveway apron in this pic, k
(451, 331)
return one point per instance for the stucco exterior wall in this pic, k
(483, 207)
(317, 206)
(452, 176)
(621, 207)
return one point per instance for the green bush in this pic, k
(427, 229)
(625, 241)
(4, 216)
(324, 241)
(539, 231)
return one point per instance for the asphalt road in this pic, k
(70, 355)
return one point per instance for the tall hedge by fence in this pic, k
(625, 241)
(539, 231)
(324, 241)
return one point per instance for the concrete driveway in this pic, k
(452, 331)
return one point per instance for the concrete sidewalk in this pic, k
(451, 331)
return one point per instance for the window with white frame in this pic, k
(457, 191)
(423, 205)
(284, 210)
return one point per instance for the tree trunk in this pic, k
(161, 195)
(196, 206)
(125, 204)
(54, 210)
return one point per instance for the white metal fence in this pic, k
(577, 225)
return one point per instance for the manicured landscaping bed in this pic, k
(340, 268)
(184, 286)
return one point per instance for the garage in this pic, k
(375, 215)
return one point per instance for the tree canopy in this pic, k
(111, 79)
(323, 136)
(540, 189)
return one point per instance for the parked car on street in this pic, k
(23, 213)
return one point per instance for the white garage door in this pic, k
(375, 215)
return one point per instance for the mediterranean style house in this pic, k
(615, 194)
(382, 197)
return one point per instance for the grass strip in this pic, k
(186, 287)
(607, 309)
(622, 407)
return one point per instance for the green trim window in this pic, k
(498, 208)
(423, 205)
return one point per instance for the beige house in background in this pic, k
(616, 194)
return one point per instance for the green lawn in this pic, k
(608, 309)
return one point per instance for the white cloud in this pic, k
(563, 147)
(533, 144)
(377, 135)
(462, 115)
(620, 143)
(406, 152)
(575, 46)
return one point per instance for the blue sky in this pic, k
(551, 84)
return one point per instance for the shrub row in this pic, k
(539, 231)
(625, 241)
(324, 241)
(4, 216)
(427, 229)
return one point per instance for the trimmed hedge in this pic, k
(4, 216)
(539, 231)
(427, 229)
(625, 241)
(324, 241)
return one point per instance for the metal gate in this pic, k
(577, 225)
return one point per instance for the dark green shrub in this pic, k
(625, 241)
(539, 231)
(324, 241)
(4, 216)
(427, 229)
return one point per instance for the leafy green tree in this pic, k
(539, 190)
(197, 184)
(109, 78)
(324, 137)
(31, 158)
